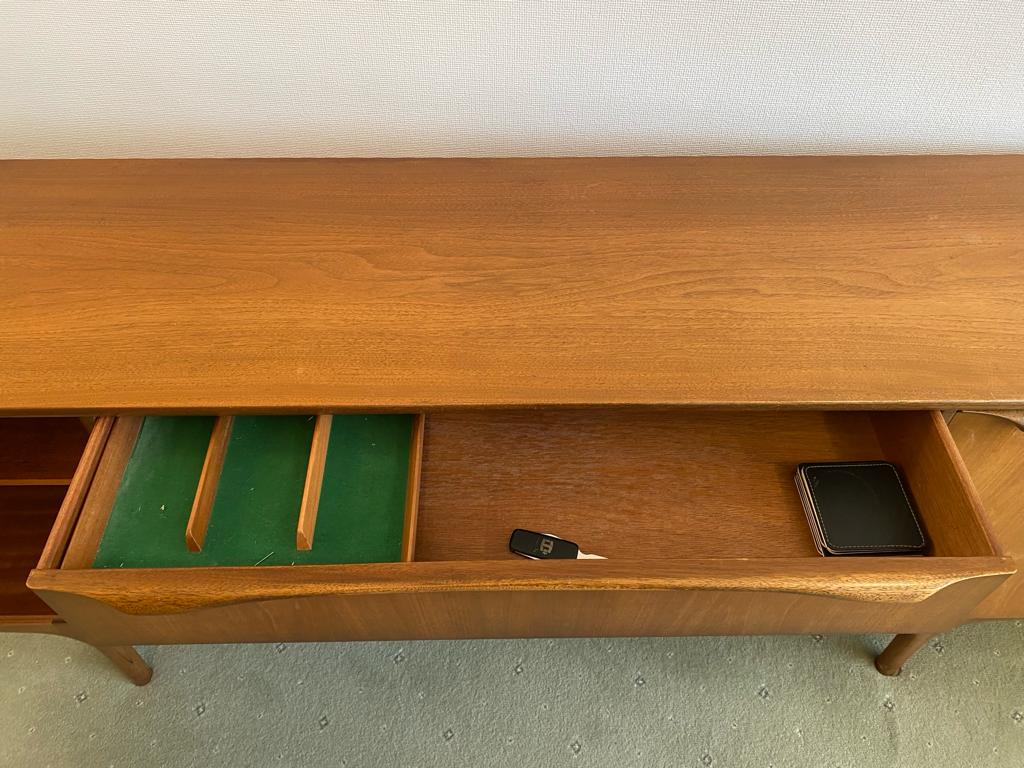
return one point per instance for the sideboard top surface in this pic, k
(307, 285)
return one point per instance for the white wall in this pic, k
(89, 78)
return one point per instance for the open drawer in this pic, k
(696, 512)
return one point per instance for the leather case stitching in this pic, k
(899, 481)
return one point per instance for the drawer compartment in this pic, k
(661, 485)
(696, 512)
(38, 457)
(150, 479)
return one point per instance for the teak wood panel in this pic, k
(885, 580)
(326, 285)
(939, 482)
(209, 479)
(40, 451)
(310, 504)
(26, 515)
(993, 450)
(92, 520)
(557, 602)
(77, 492)
(412, 488)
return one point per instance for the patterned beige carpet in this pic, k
(705, 702)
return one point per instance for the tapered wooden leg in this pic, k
(127, 659)
(891, 660)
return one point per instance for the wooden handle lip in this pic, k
(177, 590)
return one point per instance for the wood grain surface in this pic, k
(76, 493)
(173, 590)
(26, 515)
(993, 450)
(209, 480)
(40, 451)
(326, 285)
(95, 511)
(627, 483)
(412, 489)
(310, 504)
(586, 598)
(944, 495)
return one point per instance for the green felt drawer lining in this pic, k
(362, 501)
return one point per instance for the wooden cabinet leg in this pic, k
(127, 660)
(891, 660)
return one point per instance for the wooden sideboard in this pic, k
(631, 352)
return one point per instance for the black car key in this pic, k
(544, 546)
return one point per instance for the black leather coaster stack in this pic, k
(859, 508)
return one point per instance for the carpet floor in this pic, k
(704, 702)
